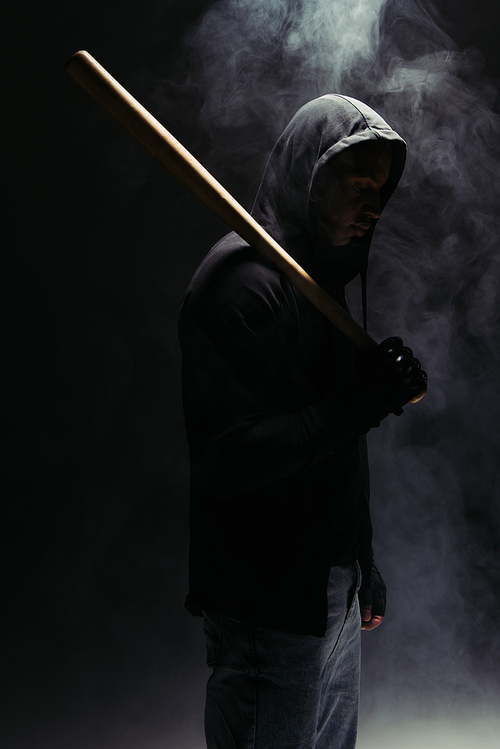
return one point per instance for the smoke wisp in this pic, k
(434, 280)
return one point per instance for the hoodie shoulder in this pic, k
(236, 291)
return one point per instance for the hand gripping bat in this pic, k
(142, 126)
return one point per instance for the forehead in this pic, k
(371, 160)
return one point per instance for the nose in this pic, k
(372, 208)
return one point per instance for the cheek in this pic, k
(339, 209)
(345, 210)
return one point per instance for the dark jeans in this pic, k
(276, 690)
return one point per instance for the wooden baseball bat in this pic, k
(142, 126)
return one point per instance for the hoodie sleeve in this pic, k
(251, 418)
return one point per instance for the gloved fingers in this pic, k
(408, 372)
(407, 350)
(379, 592)
(399, 364)
(391, 376)
(393, 353)
(390, 355)
(391, 342)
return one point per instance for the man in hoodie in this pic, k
(277, 404)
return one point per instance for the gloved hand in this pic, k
(388, 379)
(372, 600)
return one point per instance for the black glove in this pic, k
(388, 379)
(373, 592)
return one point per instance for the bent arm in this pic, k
(258, 452)
(252, 415)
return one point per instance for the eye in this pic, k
(359, 187)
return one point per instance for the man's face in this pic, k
(349, 198)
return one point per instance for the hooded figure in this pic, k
(276, 409)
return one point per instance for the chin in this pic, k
(340, 241)
(335, 239)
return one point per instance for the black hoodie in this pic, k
(278, 487)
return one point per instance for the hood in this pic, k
(320, 130)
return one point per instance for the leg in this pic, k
(271, 689)
(231, 689)
(338, 717)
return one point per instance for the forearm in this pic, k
(251, 455)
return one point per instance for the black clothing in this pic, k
(278, 482)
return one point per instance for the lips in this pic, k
(359, 229)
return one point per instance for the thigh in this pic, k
(231, 689)
(308, 687)
(273, 689)
(338, 714)
(265, 688)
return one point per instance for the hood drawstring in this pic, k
(363, 298)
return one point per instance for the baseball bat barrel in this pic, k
(142, 126)
(161, 144)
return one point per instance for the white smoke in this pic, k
(257, 59)
(434, 279)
